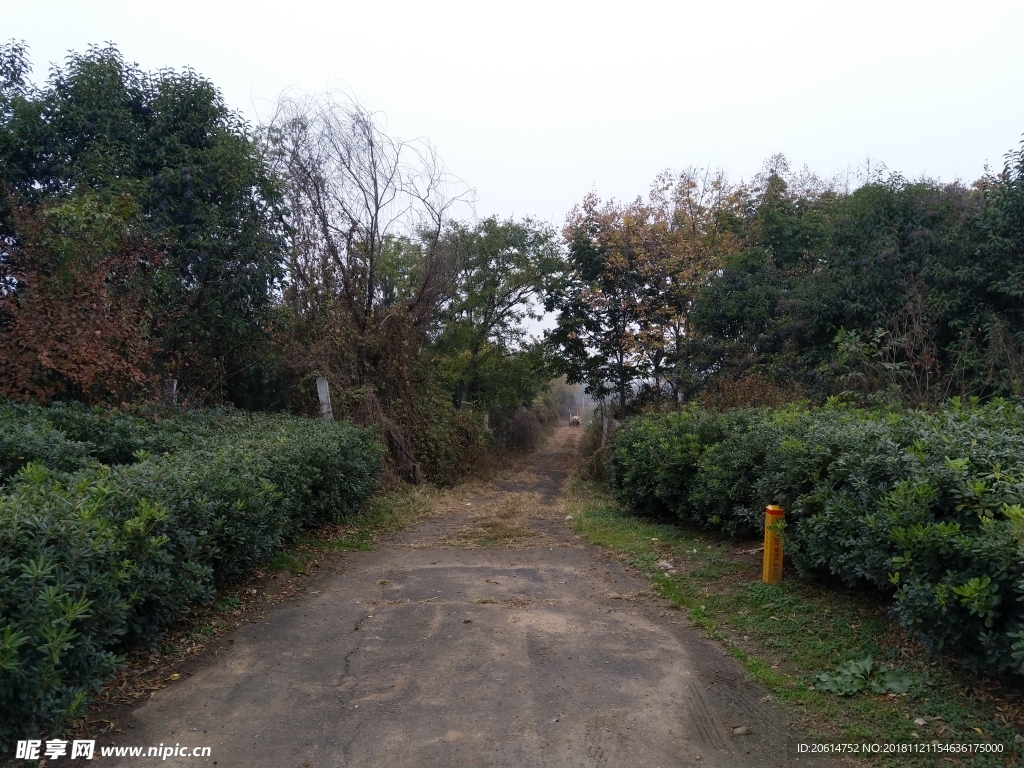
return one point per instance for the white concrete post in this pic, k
(324, 395)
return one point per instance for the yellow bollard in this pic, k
(771, 568)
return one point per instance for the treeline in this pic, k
(789, 286)
(148, 234)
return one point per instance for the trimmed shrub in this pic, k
(27, 436)
(926, 501)
(64, 601)
(98, 561)
(654, 459)
(113, 436)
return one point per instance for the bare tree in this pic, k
(363, 205)
(368, 269)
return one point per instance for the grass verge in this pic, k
(788, 634)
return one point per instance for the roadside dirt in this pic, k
(489, 634)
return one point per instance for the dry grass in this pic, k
(509, 602)
(500, 520)
(517, 602)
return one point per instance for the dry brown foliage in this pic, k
(75, 315)
(751, 390)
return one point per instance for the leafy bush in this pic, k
(27, 437)
(927, 501)
(114, 436)
(447, 441)
(64, 597)
(654, 459)
(99, 560)
(70, 437)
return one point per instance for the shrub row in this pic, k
(928, 503)
(98, 560)
(70, 437)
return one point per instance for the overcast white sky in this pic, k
(536, 103)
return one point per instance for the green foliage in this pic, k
(67, 436)
(928, 502)
(737, 311)
(908, 287)
(654, 459)
(449, 442)
(64, 601)
(27, 436)
(857, 675)
(114, 436)
(96, 561)
(598, 299)
(912, 288)
(482, 352)
(198, 180)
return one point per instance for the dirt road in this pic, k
(487, 635)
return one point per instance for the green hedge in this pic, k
(27, 436)
(928, 503)
(96, 561)
(71, 437)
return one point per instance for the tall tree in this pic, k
(200, 185)
(635, 272)
(985, 298)
(600, 304)
(503, 269)
(78, 318)
(367, 211)
(696, 212)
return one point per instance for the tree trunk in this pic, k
(622, 397)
